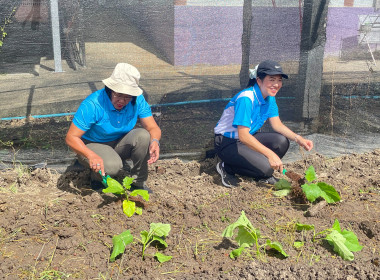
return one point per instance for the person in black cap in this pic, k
(238, 143)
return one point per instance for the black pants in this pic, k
(240, 159)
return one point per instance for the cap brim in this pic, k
(122, 88)
(276, 73)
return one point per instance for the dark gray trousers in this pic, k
(240, 159)
(134, 146)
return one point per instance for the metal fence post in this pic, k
(56, 35)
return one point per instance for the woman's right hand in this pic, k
(96, 163)
(74, 141)
(275, 162)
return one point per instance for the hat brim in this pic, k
(276, 73)
(122, 88)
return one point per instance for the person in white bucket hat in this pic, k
(103, 132)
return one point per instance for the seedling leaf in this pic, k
(277, 246)
(159, 239)
(328, 192)
(336, 226)
(247, 237)
(144, 236)
(281, 193)
(242, 221)
(162, 258)
(337, 240)
(237, 252)
(119, 243)
(298, 244)
(138, 210)
(143, 193)
(160, 229)
(114, 187)
(127, 181)
(304, 227)
(283, 184)
(352, 241)
(129, 207)
(310, 174)
(312, 191)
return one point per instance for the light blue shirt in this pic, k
(102, 122)
(247, 108)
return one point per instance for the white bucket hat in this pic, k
(124, 79)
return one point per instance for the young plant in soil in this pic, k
(343, 242)
(312, 190)
(129, 207)
(249, 236)
(158, 232)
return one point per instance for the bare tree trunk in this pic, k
(313, 40)
(246, 42)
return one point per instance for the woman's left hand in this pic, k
(305, 143)
(154, 151)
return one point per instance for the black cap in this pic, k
(270, 67)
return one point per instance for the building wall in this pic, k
(342, 29)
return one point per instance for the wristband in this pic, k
(295, 138)
(155, 140)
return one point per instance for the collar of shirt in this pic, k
(258, 94)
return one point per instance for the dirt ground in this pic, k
(54, 226)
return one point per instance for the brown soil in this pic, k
(54, 226)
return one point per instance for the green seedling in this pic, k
(119, 243)
(320, 189)
(343, 242)
(129, 207)
(162, 258)
(248, 236)
(311, 190)
(157, 232)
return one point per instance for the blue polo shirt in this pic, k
(102, 122)
(247, 108)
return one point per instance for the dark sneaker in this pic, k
(144, 187)
(228, 180)
(270, 182)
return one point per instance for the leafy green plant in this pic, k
(312, 190)
(320, 189)
(158, 232)
(119, 243)
(129, 207)
(343, 242)
(248, 236)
